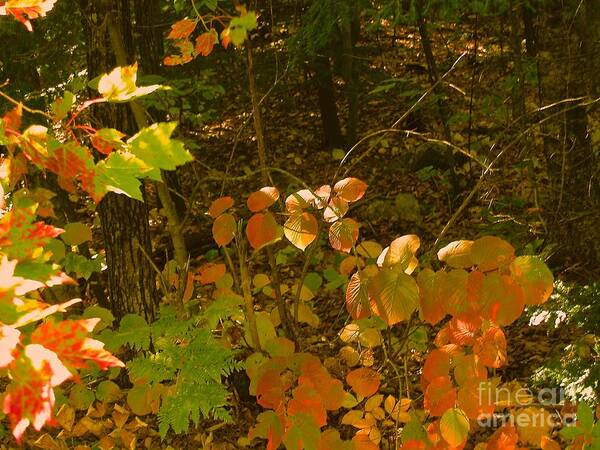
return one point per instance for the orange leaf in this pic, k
(223, 229)
(502, 300)
(401, 252)
(262, 199)
(22, 10)
(219, 206)
(301, 229)
(363, 381)
(300, 200)
(491, 348)
(209, 273)
(431, 308)
(206, 42)
(68, 339)
(394, 295)
(350, 189)
(490, 253)
(472, 398)
(440, 396)
(182, 29)
(336, 209)
(437, 364)
(343, 234)
(357, 297)
(534, 277)
(262, 229)
(504, 438)
(457, 254)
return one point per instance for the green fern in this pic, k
(187, 356)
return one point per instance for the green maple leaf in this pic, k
(154, 146)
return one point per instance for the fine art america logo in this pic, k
(542, 408)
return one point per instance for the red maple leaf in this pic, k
(22, 10)
(182, 29)
(68, 339)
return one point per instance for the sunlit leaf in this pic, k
(457, 254)
(120, 85)
(301, 229)
(343, 234)
(262, 199)
(219, 206)
(394, 295)
(363, 381)
(454, 427)
(262, 230)
(350, 189)
(490, 253)
(534, 277)
(223, 229)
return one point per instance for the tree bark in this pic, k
(330, 122)
(124, 221)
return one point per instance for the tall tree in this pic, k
(124, 221)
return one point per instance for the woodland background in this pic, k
(464, 118)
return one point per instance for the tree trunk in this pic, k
(150, 51)
(573, 165)
(332, 131)
(124, 221)
(518, 90)
(349, 72)
(432, 69)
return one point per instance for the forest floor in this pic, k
(412, 190)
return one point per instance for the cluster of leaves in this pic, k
(297, 391)
(37, 356)
(301, 227)
(180, 374)
(235, 32)
(483, 288)
(38, 350)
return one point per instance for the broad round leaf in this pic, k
(491, 348)
(209, 273)
(219, 206)
(357, 297)
(440, 396)
(301, 229)
(223, 229)
(472, 398)
(457, 254)
(490, 253)
(262, 229)
(394, 295)
(262, 199)
(363, 381)
(454, 427)
(534, 277)
(401, 252)
(369, 249)
(336, 209)
(430, 307)
(343, 234)
(436, 365)
(300, 200)
(350, 189)
(76, 233)
(502, 299)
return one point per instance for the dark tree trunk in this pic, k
(573, 163)
(149, 44)
(332, 131)
(432, 68)
(124, 221)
